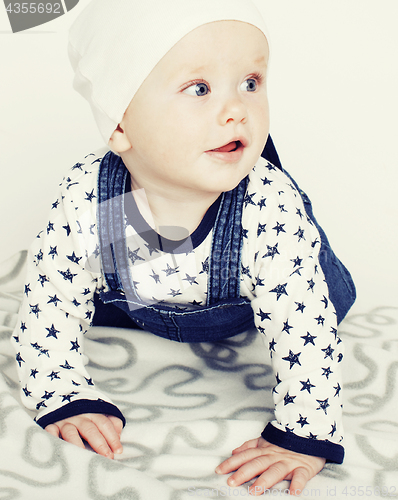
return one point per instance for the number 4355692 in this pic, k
(34, 7)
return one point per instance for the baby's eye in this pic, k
(249, 85)
(197, 89)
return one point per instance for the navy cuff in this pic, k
(77, 408)
(308, 446)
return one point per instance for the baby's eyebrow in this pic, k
(261, 60)
(199, 69)
(192, 72)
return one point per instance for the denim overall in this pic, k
(226, 313)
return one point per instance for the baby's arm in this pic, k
(55, 314)
(293, 311)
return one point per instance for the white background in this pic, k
(333, 88)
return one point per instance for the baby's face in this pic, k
(198, 123)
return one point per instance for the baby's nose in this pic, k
(234, 110)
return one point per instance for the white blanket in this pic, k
(187, 406)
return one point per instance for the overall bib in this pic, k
(226, 313)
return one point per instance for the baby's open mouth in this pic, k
(228, 148)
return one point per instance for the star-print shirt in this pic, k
(280, 274)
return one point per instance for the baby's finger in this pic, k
(272, 475)
(248, 444)
(52, 429)
(89, 430)
(70, 433)
(275, 473)
(300, 478)
(107, 429)
(117, 424)
(239, 460)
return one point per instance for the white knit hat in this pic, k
(115, 44)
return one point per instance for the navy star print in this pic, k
(292, 358)
(279, 290)
(280, 274)
(306, 386)
(68, 276)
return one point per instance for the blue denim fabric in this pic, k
(226, 313)
(342, 291)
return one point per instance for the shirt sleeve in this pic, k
(58, 307)
(293, 311)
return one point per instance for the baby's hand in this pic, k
(257, 457)
(101, 432)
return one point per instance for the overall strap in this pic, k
(111, 185)
(225, 257)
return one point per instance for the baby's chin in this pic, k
(230, 175)
(220, 184)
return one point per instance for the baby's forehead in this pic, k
(220, 43)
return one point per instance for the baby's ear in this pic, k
(119, 141)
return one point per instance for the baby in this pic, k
(184, 230)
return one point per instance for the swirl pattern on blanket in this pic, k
(188, 406)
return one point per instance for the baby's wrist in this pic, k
(331, 452)
(79, 407)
